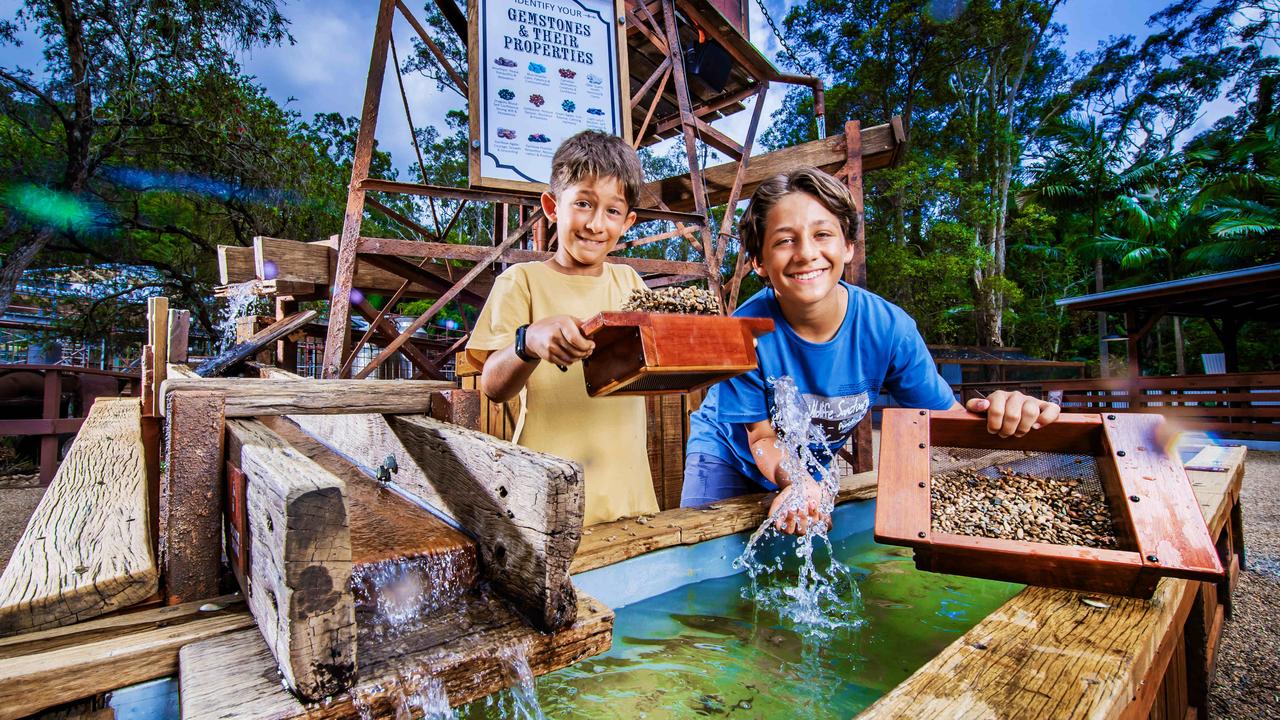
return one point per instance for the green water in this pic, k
(702, 650)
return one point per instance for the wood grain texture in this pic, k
(179, 334)
(902, 502)
(524, 507)
(1168, 526)
(43, 669)
(191, 496)
(299, 560)
(235, 264)
(253, 397)
(612, 542)
(1044, 654)
(87, 549)
(231, 677)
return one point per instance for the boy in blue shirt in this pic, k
(840, 344)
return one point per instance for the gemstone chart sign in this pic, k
(544, 70)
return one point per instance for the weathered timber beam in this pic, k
(405, 270)
(492, 196)
(453, 251)
(179, 334)
(252, 397)
(86, 550)
(39, 670)
(524, 507)
(263, 288)
(299, 560)
(240, 352)
(190, 495)
(879, 147)
(231, 676)
(235, 264)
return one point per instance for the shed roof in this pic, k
(1246, 294)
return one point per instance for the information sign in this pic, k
(541, 71)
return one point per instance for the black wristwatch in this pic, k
(521, 351)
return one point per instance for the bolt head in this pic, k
(475, 144)
(1153, 558)
(1111, 417)
(921, 535)
(1134, 498)
(921, 483)
(1119, 453)
(921, 446)
(924, 412)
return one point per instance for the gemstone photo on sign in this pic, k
(539, 138)
(506, 94)
(504, 62)
(537, 68)
(537, 100)
(567, 74)
(506, 133)
(595, 111)
(569, 106)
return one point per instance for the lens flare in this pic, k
(43, 206)
(269, 270)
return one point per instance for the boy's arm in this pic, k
(1012, 413)
(556, 338)
(763, 441)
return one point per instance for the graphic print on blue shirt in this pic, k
(877, 346)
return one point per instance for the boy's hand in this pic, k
(797, 521)
(559, 339)
(1012, 413)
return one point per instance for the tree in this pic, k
(115, 71)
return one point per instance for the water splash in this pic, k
(241, 301)
(822, 598)
(520, 700)
(414, 693)
(396, 596)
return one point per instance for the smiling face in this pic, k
(803, 252)
(590, 216)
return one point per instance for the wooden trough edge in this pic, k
(233, 675)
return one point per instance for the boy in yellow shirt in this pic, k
(532, 321)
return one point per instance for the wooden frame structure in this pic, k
(663, 91)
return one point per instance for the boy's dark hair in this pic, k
(828, 191)
(592, 153)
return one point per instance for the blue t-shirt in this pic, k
(877, 347)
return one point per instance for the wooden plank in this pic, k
(524, 507)
(147, 365)
(51, 409)
(242, 351)
(43, 669)
(235, 265)
(231, 676)
(254, 397)
(1170, 531)
(672, 450)
(457, 406)
(878, 148)
(191, 496)
(86, 550)
(179, 333)
(902, 505)
(654, 446)
(299, 560)
(158, 339)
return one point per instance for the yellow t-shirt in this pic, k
(607, 436)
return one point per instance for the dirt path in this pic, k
(1247, 683)
(19, 495)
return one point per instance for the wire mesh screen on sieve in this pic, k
(1055, 498)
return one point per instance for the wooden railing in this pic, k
(48, 391)
(1236, 404)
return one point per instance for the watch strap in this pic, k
(521, 351)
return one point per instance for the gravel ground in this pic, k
(1247, 682)
(19, 495)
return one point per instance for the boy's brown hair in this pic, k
(828, 191)
(592, 153)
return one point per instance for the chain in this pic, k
(781, 40)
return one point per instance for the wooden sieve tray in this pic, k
(640, 353)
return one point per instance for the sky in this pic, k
(326, 68)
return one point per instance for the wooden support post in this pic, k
(52, 411)
(691, 146)
(286, 349)
(158, 339)
(254, 344)
(460, 407)
(339, 335)
(299, 560)
(855, 273)
(282, 395)
(191, 496)
(86, 550)
(149, 389)
(179, 333)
